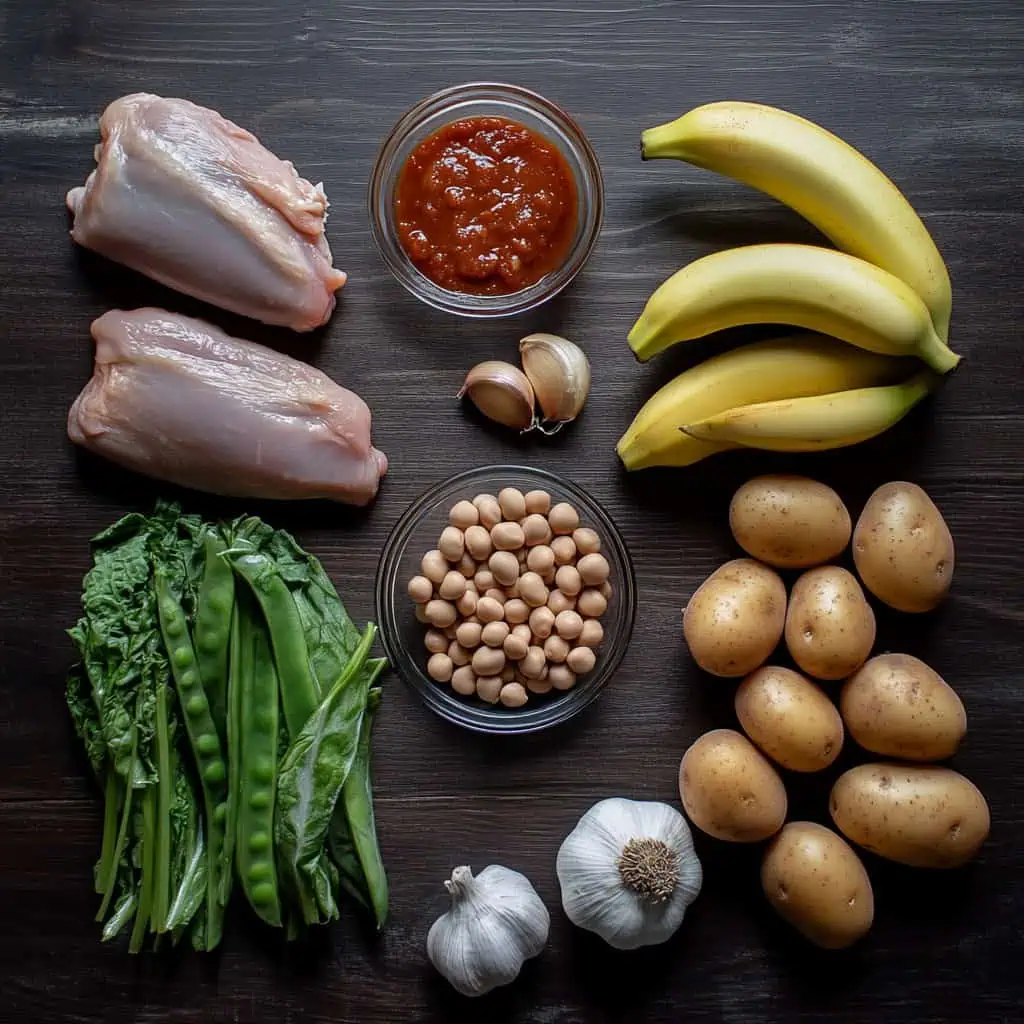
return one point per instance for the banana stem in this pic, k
(937, 354)
(661, 141)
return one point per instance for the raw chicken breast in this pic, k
(189, 198)
(180, 400)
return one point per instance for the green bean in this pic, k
(202, 734)
(299, 690)
(254, 847)
(212, 632)
(162, 866)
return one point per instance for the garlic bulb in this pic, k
(628, 871)
(502, 392)
(560, 374)
(496, 922)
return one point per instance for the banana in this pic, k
(802, 285)
(817, 423)
(821, 177)
(801, 365)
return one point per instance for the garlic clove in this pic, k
(502, 392)
(559, 372)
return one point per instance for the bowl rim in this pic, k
(486, 306)
(487, 720)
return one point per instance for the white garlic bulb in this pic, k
(628, 871)
(496, 923)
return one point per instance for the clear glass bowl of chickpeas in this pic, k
(506, 599)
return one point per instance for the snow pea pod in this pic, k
(212, 632)
(202, 734)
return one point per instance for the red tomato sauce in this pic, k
(486, 206)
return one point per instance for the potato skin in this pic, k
(817, 883)
(789, 521)
(790, 719)
(895, 705)
(735, 619)
(830, 627)
(729, 789)
(926, 817)
(903, 549)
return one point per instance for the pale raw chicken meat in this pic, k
(178, 399)
(187, 197)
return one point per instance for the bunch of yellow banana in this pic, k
(885, 294)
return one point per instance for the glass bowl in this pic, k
(402, 634)
(480, 99)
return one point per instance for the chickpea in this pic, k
(513, 695)
(504, 567)
(568, 581)
(478, 543)
(468, 634)
(593, 569)
(521, 558)
(532, 589)
(548, 577)
(488, 688)
(484, 580)
(449, 631)
(516, 611)
(592, 633)
(435, 641)
(494, 633)
(489, 610)
(515, 647)
(540, 559)
(555, 649)
(453, 586)
(459, 655)
(420, 611)
(463, 681)
(508, 674)
(512, 503)
(605, 590)
(496, 594)
(489, 509)
(564, 550)
(523, 630)
(534, 663)
(591, 604)
(452, 543)
(561, 677)
(440, 613)
(581, 660)
(463, 515)
(507, 537)
(467, 566)
(537, 503)
(559, 602)
(536, 530)
(434, 567)
(564, 519)
(586, 540)
(539, 685)
(542, 621)
(568, 625)
(440, 668)
(421, 590)
(487, 661)
(466, 605)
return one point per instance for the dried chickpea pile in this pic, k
(513, 595)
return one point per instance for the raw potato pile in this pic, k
(893, 704)
(513, 594)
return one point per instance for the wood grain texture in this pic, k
(933, 90)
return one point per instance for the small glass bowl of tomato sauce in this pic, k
(486, 200)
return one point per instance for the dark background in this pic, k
(934, 91)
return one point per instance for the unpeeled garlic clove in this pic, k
(559, 371)
(502, 392)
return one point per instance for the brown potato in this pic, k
(790, 719)
(830, 627)
(789, 521)
(897, 706)
(729, 790)
(735, 619)
(903, 549)
(817, 883)
(926, 817)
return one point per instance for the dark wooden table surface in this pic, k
(933, 90)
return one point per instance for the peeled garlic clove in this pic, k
(502, 392)
(560, 374)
